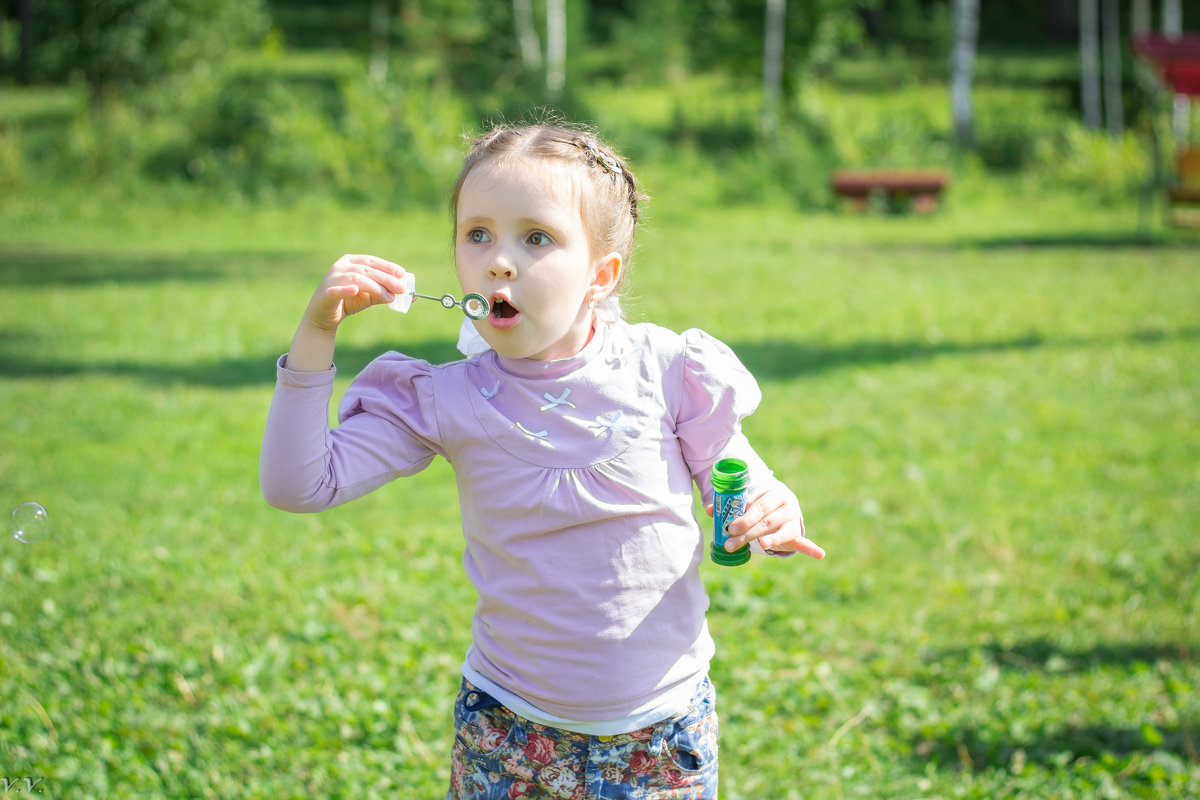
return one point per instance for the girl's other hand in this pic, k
(773, 518)
(353, 283)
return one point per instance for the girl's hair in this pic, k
(609, 193)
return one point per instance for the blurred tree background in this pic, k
(366, 99)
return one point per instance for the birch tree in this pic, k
(380, 22)
(962, 68)
(1140, 16)
(1172, 28)
(527, 38)
(1089, 62)
(773, 34)
(556, 47)
(1172, 18)
(1114, 107)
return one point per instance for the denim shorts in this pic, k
(498, 755)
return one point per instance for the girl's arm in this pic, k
(353, 283)
(303, 466)
(716, 393)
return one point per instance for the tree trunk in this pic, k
(1172, 18)
(773, 35)
(1172, 28)
(25, 42)
(556, 47)
(377, 71)
(1140, 17)
(1114, 107)
(1089, 62)
(527, 38)
(962, 68)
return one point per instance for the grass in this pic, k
(989, 414)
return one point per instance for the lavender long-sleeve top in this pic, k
(575, 479)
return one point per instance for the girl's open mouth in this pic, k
(504, 314)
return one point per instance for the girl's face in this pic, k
(520, 241)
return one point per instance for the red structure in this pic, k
(1177, 62)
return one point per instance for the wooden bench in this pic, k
(919, 189)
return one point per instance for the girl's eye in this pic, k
(477, 236)
(538, 238)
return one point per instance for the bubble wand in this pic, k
(474, 306)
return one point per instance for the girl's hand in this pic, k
(353, 283)
(774, 519)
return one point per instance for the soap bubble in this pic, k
(30, 523)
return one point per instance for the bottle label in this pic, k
(726, 508)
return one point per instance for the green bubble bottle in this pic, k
(729, 479)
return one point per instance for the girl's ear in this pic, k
(609, 270)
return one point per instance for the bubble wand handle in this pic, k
(473, 305)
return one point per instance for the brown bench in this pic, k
(918, 188)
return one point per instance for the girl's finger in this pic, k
(372, 284)
(790, 538)
(809, 548)
(342, 290)
(758, 516)
(389, 276)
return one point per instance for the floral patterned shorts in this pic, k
(498, 755)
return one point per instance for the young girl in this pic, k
(575, 439)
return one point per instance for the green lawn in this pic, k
(990, 416)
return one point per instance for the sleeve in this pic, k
(388, 429)
(716, 394)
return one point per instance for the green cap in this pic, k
(721, 556)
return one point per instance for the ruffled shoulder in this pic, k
(717, 393)
(397, 388)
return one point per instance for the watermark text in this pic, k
(21, 785)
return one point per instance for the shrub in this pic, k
(1093, 162)
(1011, 124)
(264, 129)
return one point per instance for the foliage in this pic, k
(1091, 161)
(989, 415)
(117, 44)
(275, 122)
(263, 127)
(277, 125)
(664, 37)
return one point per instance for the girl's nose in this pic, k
(501, 267)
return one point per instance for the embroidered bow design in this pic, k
(542, 434)
(608, 422)
(490, 393)
(554, 402)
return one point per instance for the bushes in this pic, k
(272, 127)
(261, 128)
(1090, 161)
(272, 132)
